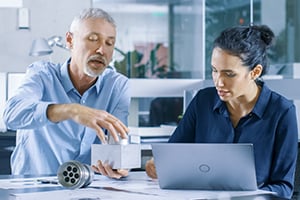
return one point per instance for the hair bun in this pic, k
(267, 34)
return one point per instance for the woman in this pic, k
(242, 109)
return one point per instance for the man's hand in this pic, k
(93, 118)
(150, 169)
(106, 170)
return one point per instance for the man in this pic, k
(60, 110)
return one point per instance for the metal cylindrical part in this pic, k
(74, 174)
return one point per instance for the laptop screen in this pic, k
(205, 166)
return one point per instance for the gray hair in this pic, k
(96, 13)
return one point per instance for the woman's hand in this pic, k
(106, 170)
(150, 169)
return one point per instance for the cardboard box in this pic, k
(119, 156)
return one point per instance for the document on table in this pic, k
(22, 183)
(136, 186)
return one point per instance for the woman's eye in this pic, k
(230, 74)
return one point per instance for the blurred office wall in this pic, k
(45, 19)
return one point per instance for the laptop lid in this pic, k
(205, 166)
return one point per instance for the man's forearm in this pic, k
(60, 112)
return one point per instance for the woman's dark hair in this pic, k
(249, 43)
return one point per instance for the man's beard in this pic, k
(91, 73)
(88, 69)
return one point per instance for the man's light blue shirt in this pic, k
(41, 145)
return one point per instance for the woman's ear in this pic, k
(256, 72)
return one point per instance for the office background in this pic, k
(163, 46)
(169, 39)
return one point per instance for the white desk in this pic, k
(136, 186)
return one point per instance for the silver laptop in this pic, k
(205, 166)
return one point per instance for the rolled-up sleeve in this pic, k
(26, 109)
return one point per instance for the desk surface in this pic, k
(136, 186)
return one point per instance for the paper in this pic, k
(21, 183)
(136, 186)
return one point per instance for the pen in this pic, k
(45, 181)
(122, 190)
(260, 185)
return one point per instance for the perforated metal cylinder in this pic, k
(73, 174)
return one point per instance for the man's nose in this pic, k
(100, 49)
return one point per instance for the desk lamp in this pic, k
(41, 46)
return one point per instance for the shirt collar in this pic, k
(262, 101)
(66, 80)
(65, 77)
(220, 106)
(259, 107)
